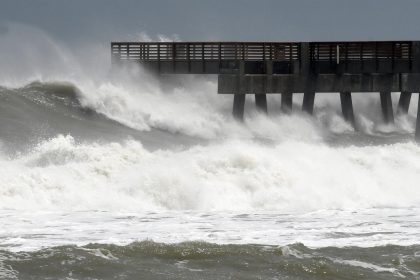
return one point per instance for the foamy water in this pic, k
(31, 230)
(119, 157)
(234, 175)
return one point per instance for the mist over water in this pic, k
(90, 154)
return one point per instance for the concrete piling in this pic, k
(308, 102)
(347, 107)
(386, 105)
(286, 102)
(404, 102)
(238, 106)
(261, 102)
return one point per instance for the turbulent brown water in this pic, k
(198, 260)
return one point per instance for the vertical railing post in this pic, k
(346, 57)
(410, 59)
(271, 51)
(220, 55)
(263, 46)
(142, 51)
(361, 57)
(119, 52)
(393, 56)
(188, 57)
(298, 56)
(113, 56)
(158, 56)
(330, 47)
(376, 57)
(173, 56)
(290, 58)
(202, 58)
(317, 51)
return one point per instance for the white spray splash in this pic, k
(235, 175)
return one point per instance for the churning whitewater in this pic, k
(118, 175)
(272, 163)
(82, 165)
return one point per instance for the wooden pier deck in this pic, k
(262, 68)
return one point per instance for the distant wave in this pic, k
(40, 111)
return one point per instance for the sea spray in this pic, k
(233, 175)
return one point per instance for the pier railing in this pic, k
(205, 51)
(324, 57)
(369, 57)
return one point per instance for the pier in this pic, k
(285, 68)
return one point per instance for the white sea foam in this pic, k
(238, 175)
(32, 229)
(371, 266)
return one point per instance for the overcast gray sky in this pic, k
(274, 20)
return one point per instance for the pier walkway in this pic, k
(286, 68)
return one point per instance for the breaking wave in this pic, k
(241, 175)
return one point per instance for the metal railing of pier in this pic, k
(257, 51)
(195, 51)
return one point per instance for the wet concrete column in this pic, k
(386, 104)
(347, 107)
(261, 102)
(308, 102)
(404, 103)
(239, 106)
(239, 96)
(309, 93)
(286, 102)
(417, 136)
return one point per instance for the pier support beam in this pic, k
(308, 102)
(386, 104)
(286, 102)
(347, 107)
(238, 106)
(261, 102)
(417, 136)
(404, 103)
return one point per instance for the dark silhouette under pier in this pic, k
(262, 68)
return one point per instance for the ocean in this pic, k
(122, 176)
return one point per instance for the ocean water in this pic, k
(116, 175)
